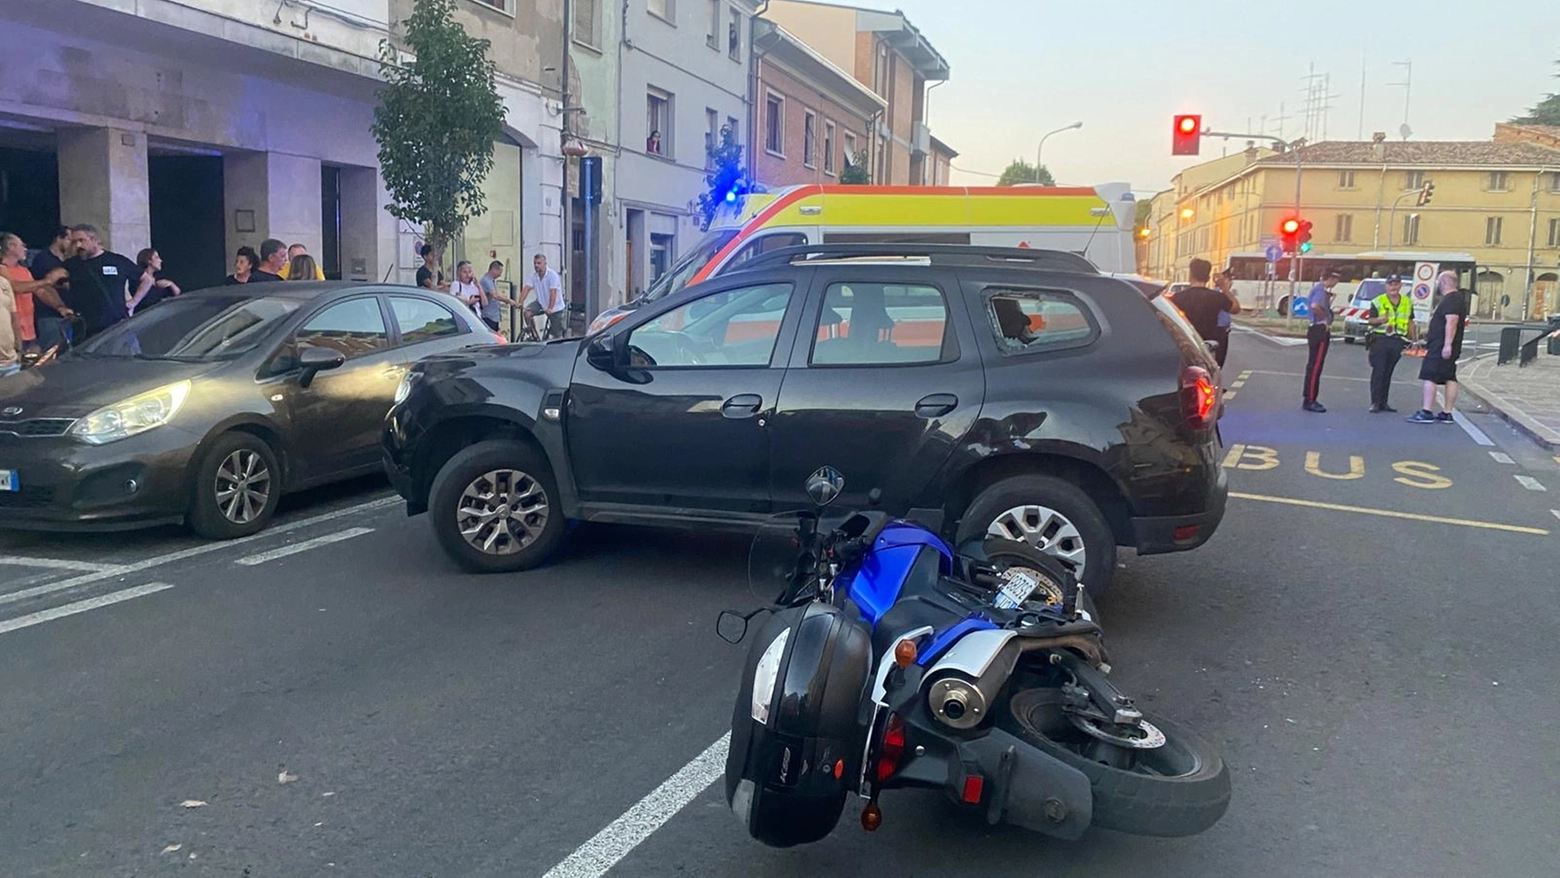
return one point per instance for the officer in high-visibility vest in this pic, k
(1391, 330)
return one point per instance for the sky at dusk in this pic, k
(1024, 67)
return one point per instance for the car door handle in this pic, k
(936, 405)
(745, 405)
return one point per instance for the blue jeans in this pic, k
(10, 369)
(50, 329)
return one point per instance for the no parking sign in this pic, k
(1424, 285)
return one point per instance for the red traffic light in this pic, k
(1186, 135)
(1290, 226)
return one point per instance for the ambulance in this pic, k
(1093, 222)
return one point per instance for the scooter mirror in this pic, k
(825, 486)
(732, 626)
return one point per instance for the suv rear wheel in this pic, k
(1052, 515)
(494, 508)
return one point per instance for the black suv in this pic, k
(1013, 392)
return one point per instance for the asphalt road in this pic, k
(340, 701)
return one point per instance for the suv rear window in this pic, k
(1038, 320)
(1193, 351)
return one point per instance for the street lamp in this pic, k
(1040, 150)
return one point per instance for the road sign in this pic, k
(1274, 252)
(1300, 306)
(1424, 287)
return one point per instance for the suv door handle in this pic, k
(745, 405)
(936, 405)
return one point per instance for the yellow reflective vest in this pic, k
(1399, 316)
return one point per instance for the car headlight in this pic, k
(766, 676)
(135, 415)
(404, 389)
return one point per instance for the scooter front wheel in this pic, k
(1179, 788)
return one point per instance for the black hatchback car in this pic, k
(209, 406)
(1012, 392)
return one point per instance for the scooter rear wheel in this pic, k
(1181, 788)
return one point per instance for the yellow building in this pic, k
(1498, 200)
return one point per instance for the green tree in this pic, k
(1021, 171)
(726, 176)
(1547, 112)
(856, 172)
(437, 119)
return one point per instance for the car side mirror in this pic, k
(314, 360)
(602, 353)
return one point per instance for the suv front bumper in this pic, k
(1180, 533)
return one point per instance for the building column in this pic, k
(368, 234)
(103, 182)
(271, 195)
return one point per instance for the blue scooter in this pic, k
(891, 661)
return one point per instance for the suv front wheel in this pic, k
(494, 508)
(1052, 515)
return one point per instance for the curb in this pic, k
(1520, 420)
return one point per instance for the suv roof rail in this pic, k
(927, 254)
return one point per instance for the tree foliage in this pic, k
(436, 122)
(1546, 112)
(1021, 171)
(856, 172)
(726, 176)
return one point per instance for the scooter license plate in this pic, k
(1017, 589)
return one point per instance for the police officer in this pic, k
(1391, 330)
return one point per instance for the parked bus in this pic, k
(1096, 223)
(1264, 286)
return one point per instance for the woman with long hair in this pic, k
(302, 267)
(150, 289)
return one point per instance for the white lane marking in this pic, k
(61, 612)
(609, 846)
(1473, 432)
(55, 564)
(169, 558)
(1531, 483)
(304, 546)
(1501, 457)
(1556, 512)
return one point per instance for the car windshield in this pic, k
(196, 328)
(683, 271)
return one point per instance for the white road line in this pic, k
(61, 612)
(170, 557)
(1556, 512)
(1501, 457)
(55, 564)
(1531, 483)
(304, 546)
(609, 846)
(1473, 432)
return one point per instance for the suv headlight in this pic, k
(404, 389)
(135, 415)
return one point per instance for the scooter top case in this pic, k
(796, 740)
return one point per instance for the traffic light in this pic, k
(1426, 193)
(1186, 135)
(1304, 236)
(1289, 234)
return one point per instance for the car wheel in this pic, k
(495, 508)
(1052, 515)
(237, 488)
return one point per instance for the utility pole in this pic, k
(1297, 260)
(1364, 58)
(1407, 85)
(566, 246)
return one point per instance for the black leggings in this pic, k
(1320, 338)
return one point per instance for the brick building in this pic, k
(812, 117)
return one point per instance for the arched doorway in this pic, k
(1546, 295)
(1491, 286)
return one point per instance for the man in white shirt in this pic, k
(544, 295)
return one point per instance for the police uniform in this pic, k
(1386, 343)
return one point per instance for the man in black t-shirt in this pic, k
(1443, 345)
(429, 277)
(100, 282)
(273, 255)
(1203, 306)
(50, 309)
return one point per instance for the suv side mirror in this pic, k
(314, 360)
(602, 353)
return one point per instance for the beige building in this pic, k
(887, 54)
(1498, 200)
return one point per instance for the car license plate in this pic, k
(9, 481)
(1016, 590)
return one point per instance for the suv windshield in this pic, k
(679, 274)
(195, 328)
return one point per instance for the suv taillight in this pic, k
(1199, 397)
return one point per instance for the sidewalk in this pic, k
(1527, 397)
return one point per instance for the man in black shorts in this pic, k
(1443, 345)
